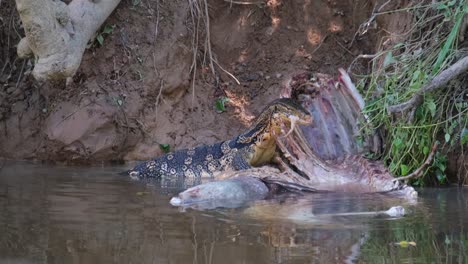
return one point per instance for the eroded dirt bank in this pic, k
(134, 92)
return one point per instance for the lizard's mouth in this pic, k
(305, 120)
(134, 175)
(295, 120)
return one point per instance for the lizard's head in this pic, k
(287, 112)
(278, 116)
(286, 108)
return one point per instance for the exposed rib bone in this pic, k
(293, 119)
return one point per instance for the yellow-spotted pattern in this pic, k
(255, 147)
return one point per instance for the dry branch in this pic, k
(57, 33)
(245, 2)
(439, 81)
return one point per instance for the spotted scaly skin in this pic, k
(255, 147)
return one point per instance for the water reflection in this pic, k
(92, 215)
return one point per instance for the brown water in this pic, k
(56, 214)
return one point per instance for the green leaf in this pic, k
(416, 74)
(441, 6)
(108, 29)
(397, 142)
(388, 59)
(440, 176)
(399, 45)
(431, 106)
(220, 104)
(165, 147)
(448, 43)
(464, 136)
(451, 3)
(452, 126)
(360, 141)
(404, 170)
(100, 39)
(447, 240)
(441, 166)
(415, 83)
(447, 137)
(425, 150)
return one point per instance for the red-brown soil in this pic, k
(134, 92)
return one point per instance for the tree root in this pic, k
(417, 173)
(57, 33)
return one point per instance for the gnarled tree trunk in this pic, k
(57, 33)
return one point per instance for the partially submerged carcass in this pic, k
(324, 156)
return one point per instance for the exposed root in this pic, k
(362, 56)
(364, 27)
(161, 87)
(199, 14)
(208, 38)
(156, 27)
(417, 173)
(74, 112)
(194, 11)
(245, 2)
(319, 45)
(228, 73)
(57, 34)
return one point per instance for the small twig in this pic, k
(362, 56)
(228, 73)
(156, 29)
(417, 173)
(142, 127)
(6, 62)
(439, 81)
(320, 44)
(193, 67)
(244, 3)
(365, 26)
(158, 97)
(346, 49)
(73, 113)
(10, 23)
(21, 73)
(208, 37)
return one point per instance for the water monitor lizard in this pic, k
(324, 156)
(255, 147)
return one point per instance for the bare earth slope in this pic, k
(134, 92)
